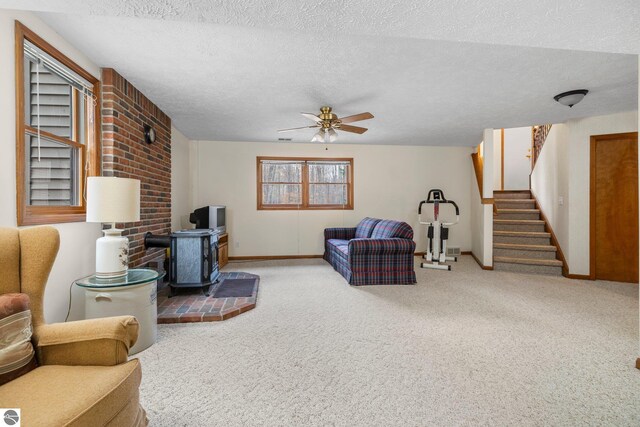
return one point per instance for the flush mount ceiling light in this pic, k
(571, 98)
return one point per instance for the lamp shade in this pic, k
(111, 199)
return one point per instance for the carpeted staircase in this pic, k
(520, 242)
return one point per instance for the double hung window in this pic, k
(57, 125)
(305, 183)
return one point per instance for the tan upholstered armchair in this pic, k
(83, 377)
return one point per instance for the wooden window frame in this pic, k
(305, 184)
(90, 151)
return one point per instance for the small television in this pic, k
(211, 217)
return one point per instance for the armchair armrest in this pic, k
(95, 342)
(381, 246)
(339, 233)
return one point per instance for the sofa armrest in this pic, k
(93, 342)
(339, 233)
(381, 246)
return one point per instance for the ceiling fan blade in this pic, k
(356, 118)
(312, 117)
(303, 127)
(354, 129)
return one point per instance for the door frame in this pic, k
(592, 192)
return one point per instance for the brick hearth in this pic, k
(190, 305)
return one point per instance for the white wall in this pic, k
(562, 170)
(389, 182)
(482, 214)
(477, 219)
(487, 210)
(77, 248)
(481, 226)
(517, 142)
(180, 176)
(550, 184)
(497, 159)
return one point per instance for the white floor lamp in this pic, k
(111, 200)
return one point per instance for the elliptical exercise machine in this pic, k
(437, 232)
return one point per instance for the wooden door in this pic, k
(614, 207)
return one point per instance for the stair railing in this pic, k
(539, 135)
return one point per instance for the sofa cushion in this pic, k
(365, 227)
(58, 395)
(17, 356)
(387, 229)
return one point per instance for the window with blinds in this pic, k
(56, 132)
(304, 183)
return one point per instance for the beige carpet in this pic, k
(467, 347)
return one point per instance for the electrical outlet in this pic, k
(237, 244)
(561, 201)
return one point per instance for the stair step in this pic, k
(518, 213)
(519, 221)
(528, 265)
(512, 250)
(515, 194)
(529, 261)
(518, 225)
(522, 233)
(525, 247)
(515, 203)
(497, 200)
(522, 237)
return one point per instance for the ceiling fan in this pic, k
(327, 123)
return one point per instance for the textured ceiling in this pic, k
(591, 25)
(227, 71)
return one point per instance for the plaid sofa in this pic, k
(376, 252)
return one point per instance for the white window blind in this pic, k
(58, 102)
(37, 55)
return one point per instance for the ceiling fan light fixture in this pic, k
(328, 122)
(571, 98)
(318, 137)
(332, 134)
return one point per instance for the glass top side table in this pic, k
(135, 276)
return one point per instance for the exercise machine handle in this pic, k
(436, 195)
(455, 206)
(420, 206)
(450, 202)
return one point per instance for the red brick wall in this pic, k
(125, 111)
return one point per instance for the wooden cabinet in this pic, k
(223, 250)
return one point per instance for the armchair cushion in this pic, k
(16, 351)
(78, 396)
(365, 227)
(388, 229)
(97, 342)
